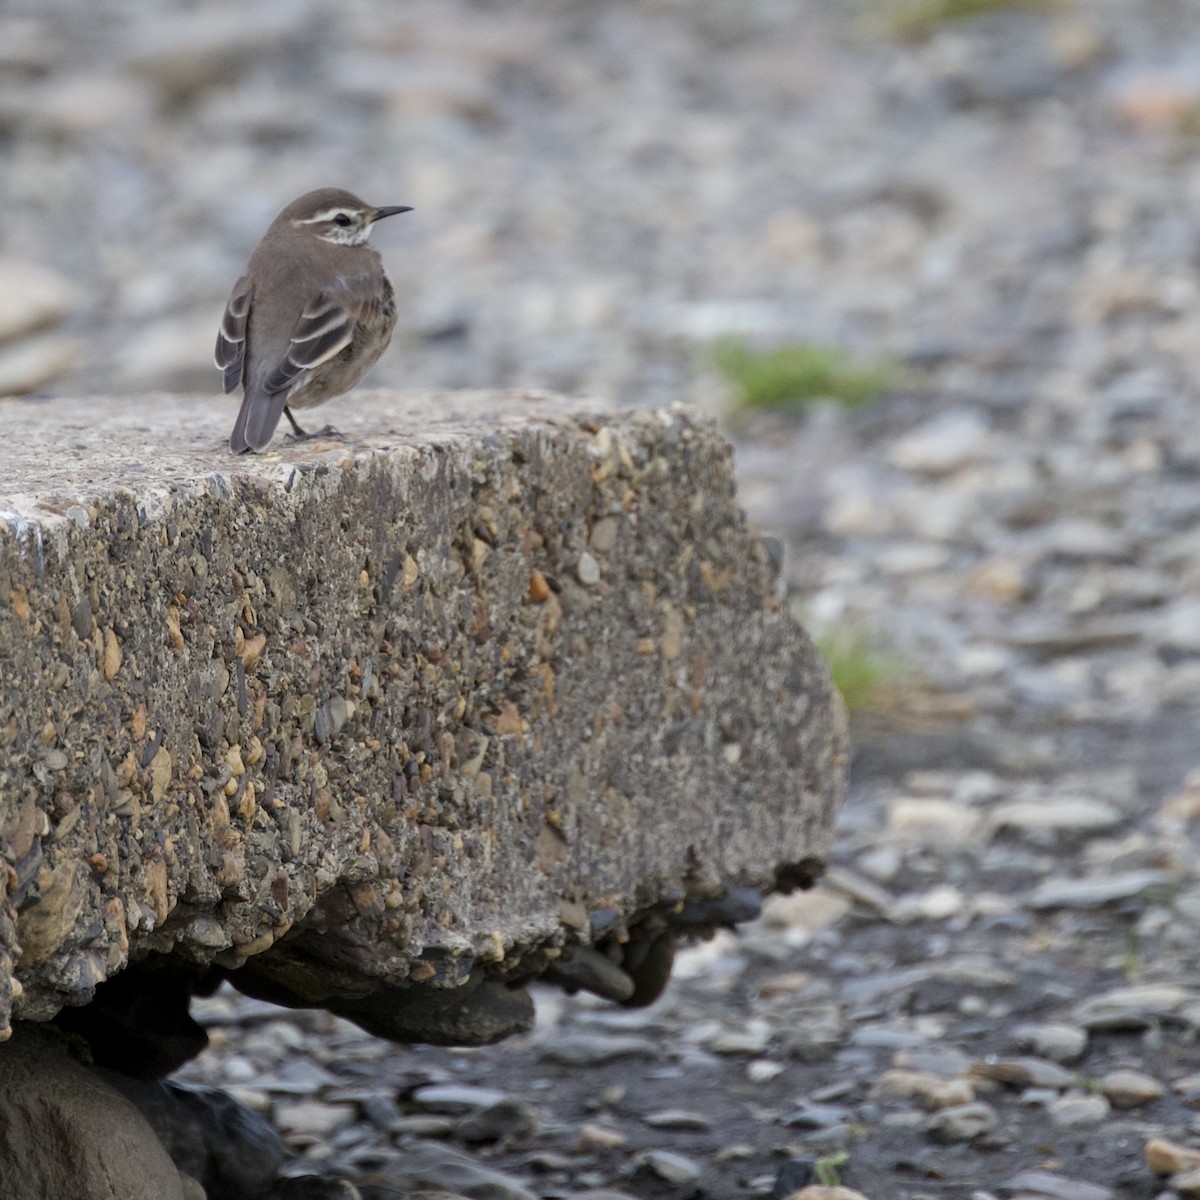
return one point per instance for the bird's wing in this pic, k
(325, 328)
(230, 354)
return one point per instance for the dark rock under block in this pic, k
(66, 1132)
(386, 726)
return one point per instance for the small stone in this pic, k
(112, 654)
(677, 1118)
(160, 773)
(56, 760)
(813, 910)
(1074, 1112)
(675, 1168)
(951, 1094)
(28, 46)
(1023, 1072)
(80, 107)
(254, 1099)
(763, 1070)
(32, 297)
(251, 651)
(312, 1118)
(598, 1137)
(1058, 1042)
(858, 513)
(382, 1112)
(934, 1091)
(963, 1122)
(912, 558)
(298, 1077)
(509, 1118)
(539, 589)
(946, 443)
(457, 1097)
(1150, 100)
(233, 759)
(423, 1125)
(205, 931)
(604, 535)
(1081, 540)
(1186, 1183)
(937, 904)
(1052, 1186)
(29, 365)
(998, 580)
(940, 1060)
(741, 1041)
(1135, 1007)
(942, 902)
(331, 717)
(1095, 893)
(1180, 626)
(1165, 1157)
(816, 1191)
(587, 570)
(549, 1160)
(590, 1050)
(1130, 1089)
(424, 88)
(860, 890)
(818, 1116)
(786, 984)
(1059, 816)
(187, 53)
(886, 1035)
(934, 822)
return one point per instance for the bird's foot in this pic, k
(298, 434)
(326, 431)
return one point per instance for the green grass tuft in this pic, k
(791, 377)
(912, 20)
(860, 669)
(827, 1168)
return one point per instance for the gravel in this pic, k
(992, 992)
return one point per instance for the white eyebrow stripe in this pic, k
(327, 215)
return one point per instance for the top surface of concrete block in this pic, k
(387, 717)
(62, 452)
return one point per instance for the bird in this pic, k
(310, 316)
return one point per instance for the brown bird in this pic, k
(311, 315)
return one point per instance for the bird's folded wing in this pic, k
(230, 355)
(325, 328)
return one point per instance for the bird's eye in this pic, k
(341, 219)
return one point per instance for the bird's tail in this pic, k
(257, 419)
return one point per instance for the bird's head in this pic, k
(335, 216)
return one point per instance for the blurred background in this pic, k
(982, 190)
(933, 263)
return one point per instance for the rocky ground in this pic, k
(995, 991)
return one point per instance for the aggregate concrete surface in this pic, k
(421, 704)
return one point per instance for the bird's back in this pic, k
(284, 287)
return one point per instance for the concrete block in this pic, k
(393, 725)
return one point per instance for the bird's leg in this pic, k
(326, 431)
